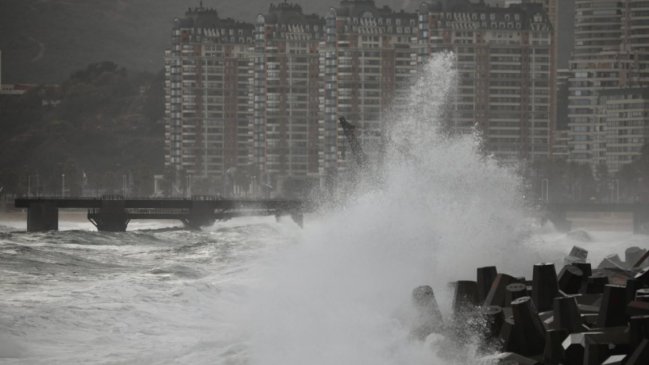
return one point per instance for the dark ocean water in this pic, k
(156, 294)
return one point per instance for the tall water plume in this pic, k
(342, 295)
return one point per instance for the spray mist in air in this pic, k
(442, 209)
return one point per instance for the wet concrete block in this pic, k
(592, 348)
(466, 296)
(585, 308)
(577, 254)
(528, 324)
(632, 255)
(508, 335)
(594, 284)
(612, 310)
(429, 318)
(570, 279)
(642, 295)
(547, 318)
(493, 319)
(588, 299)
(553, 353)
(632, 286)
(485, 277)
(638, 330)
(640, 355)
(496, 295)
(617, 336)
(615, 360)
(637, 308)
(544, 286)
(613, 262)
(566, 314)
(589, 319)
(595, 352)
(574, 347)
(514, 291)
(585, 268)
(642, 278)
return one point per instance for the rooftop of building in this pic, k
(367, 8)
(289, 13)
(489, 16)
(201, 17)
(526, 10)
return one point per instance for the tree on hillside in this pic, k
(107, 121)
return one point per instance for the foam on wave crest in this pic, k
(441, 210)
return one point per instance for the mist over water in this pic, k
(253, 291)
(440, 210)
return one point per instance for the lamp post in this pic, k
(63, 185)
(545, 191)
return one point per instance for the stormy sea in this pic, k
(261, 291)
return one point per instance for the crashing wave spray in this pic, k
(342, 294)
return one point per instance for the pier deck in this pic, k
(114, 214)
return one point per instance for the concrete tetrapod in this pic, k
(429, 318)
(485, 277)
(585, 268)
(514, 291)
(566, 314)
(641, 354)
(544, 286)
(496, 295)
(553, 353)
(466, 296)
(594, 284)
(528, 324)
(612, 310)
(638, 330)
(570, 279)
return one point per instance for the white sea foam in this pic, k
(253, 291)
(440, 210)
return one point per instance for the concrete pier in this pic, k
(113, 213)
(557, 213)
(42, 216)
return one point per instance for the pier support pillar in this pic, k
(42, 217)
(298, 217)
(201, 214)
(640, 220)
(111, 217)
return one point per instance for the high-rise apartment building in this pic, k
(552, 10)
(368, 58)
(625, 115)
(610, 52)
(636, 37)
(265, 98)
(504, 79)
(208, 88)
(286, 107)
